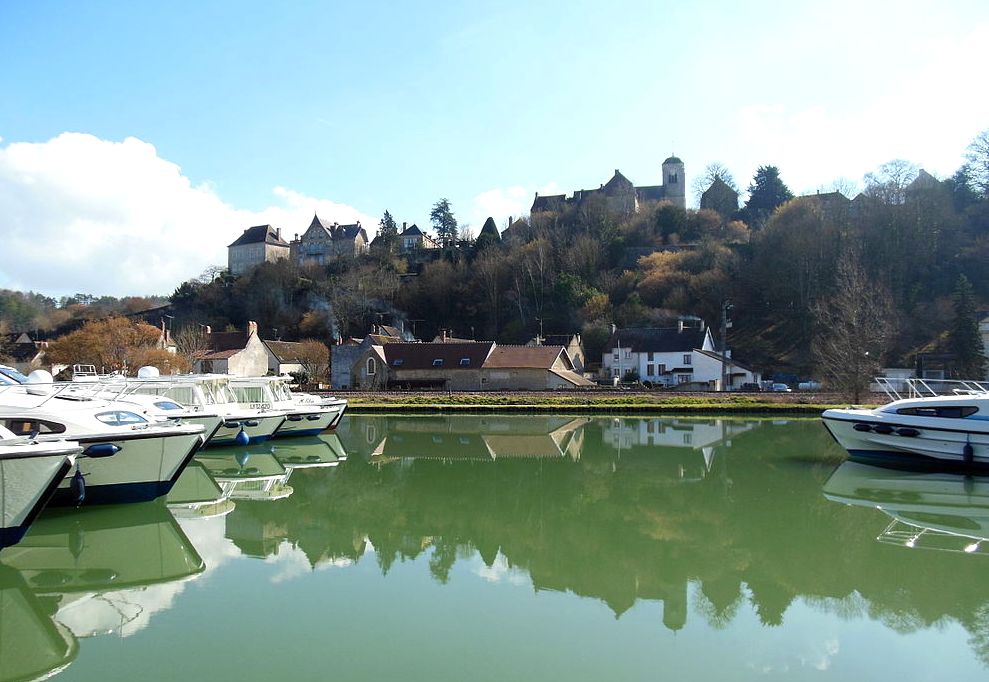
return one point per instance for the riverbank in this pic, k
(625, 402)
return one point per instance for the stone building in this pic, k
(720, 197)
(323, 242)
(620, 195)
(258, 244)
(411, 239)
(240, 353)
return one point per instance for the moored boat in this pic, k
(931, 432)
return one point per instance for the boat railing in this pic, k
(898, 389)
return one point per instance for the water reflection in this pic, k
(940, 511)
(710, 520)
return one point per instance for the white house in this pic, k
(242, 354)
(673, 356)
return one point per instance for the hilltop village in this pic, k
(619, 284)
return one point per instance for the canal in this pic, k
(514, 548)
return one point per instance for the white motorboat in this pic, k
(126, 457)
(938, 431)
(208, 397)
(29, 474)
(305, 415)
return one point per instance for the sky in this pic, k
(137, 140)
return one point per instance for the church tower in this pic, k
(674, 182)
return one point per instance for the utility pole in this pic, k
(725, 307)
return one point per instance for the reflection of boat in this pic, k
(107, 568)
(935, 431)
(247, 473)
(29, 474)
(197, 495)
(309, 452)
(931, 510)
(32, 645)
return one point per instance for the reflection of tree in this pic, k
(627, 527)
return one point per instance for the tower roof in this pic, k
(672, 159)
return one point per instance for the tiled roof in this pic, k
(663, 340)
(259, 234)
(572, 377)
(284, 351)
(651, 193)
(412, 231)
(523, 357)
(730, 361)
(489, 227)
(222, 354)
(228, 340)
(422, 355)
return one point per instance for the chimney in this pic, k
(404, 225)
(614, 328)
(444, 336)
(680, 325)
(252, 328)
(278, 232)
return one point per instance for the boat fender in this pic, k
(908, 432)
(968, 453)
(101, 450)
(862, 427)
(242, 458)
(883, 429)
(242, 438)
(78, 486)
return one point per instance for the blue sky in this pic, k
(272, 110)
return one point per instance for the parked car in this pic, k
(781, 388)
(750, 387)
(809, 385)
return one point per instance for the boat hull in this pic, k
(145, 468)
(307, 422)
(900, 441)
(257, 429)
(27, 483)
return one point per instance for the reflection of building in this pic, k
(672, 432)
(478, 438)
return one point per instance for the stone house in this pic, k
(324, 242)
(240, 353)
(258, 244)
(345, 370)
(720, 197)
(571, 342)
(509, 368)
(411, 238)
(283, 356)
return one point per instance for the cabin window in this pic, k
(941, 411)
(24, 427)
(438, 362)
(120, 418)
(371, 368)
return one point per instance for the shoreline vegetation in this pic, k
(519, 402)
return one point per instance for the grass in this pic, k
(463, 403)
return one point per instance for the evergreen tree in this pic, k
(387, 231)
(489, 234)
(444, 223)
(964, 338)
(766, 193)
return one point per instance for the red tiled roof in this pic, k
(422, 355)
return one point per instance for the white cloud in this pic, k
(82, 214)
(928, 116)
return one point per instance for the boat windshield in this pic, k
(9, 375)
(252, 393)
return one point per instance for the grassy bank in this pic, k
(597, 402)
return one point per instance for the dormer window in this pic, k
(438, 362)
(464, 362)
(397, 362)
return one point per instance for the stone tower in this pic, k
(674, 182)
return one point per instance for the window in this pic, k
(25, 427)
(438, 362)
(661, 369)
(615, 356)
(614, 372)
(673, 178)
(397, 362)
(649, 370)
(942, 411)
(686, 358)
(688, 438)
(120, 418)
(683, 378)
(371, 366)
(628, 354)
(651, 356)
(464, 362)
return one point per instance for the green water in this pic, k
(514, 548)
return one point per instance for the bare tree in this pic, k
(191, 343)
(854, 328)
(713, 171)
(889, 182)
(314, 357)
